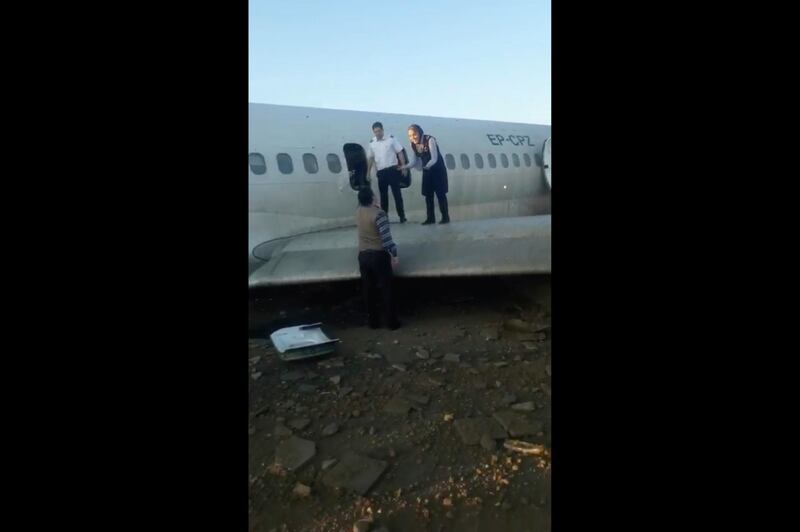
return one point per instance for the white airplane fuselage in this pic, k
(303, 201)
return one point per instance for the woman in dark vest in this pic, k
(425, 155)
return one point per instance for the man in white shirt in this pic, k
(386, 154)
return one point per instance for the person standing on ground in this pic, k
(377, 255)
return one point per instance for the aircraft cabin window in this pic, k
(515, 158)
(257, 164)
(285, 163)
(334, 164)
(310, 162)
(492, 161)
(478, 160)
(504, 160)
(465, 161)
(527, 159)
(450, 161)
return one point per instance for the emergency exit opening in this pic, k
(546, 163)
(356, 159)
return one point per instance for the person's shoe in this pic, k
(403, 220)
(394, 326)
(428, 222)
(445, 220)
(374, 325)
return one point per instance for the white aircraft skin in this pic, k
(318, 208)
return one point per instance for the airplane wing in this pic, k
(499, 246)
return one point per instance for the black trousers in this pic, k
(376, 279)
(442, 198)
(390, 178)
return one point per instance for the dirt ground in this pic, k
(408, 426)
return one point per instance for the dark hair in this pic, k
(419, 130)
(377, 124)
(365, 196)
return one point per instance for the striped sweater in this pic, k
(382, 222)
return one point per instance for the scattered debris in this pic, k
(395, 419)
(517, 424)
(277, 470)
(330, 429)
(301, 490)
(294, 453)
(397, 405)
(355, 472)
(302, 342)
(528, 406)
(524, 447)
